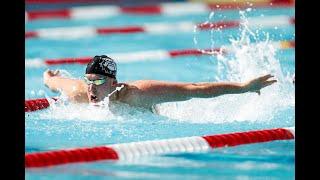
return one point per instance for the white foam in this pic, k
(250, 61)
(64, 110)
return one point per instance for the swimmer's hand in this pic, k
(256, 84)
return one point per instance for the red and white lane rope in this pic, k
(171, 9)
(36, 104)
(152, 55)
(156, 28)
(128, 151)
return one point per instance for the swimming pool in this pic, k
(68, 125)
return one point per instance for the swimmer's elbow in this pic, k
(197, 90)
(191, 91)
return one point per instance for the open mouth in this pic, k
(93, 98)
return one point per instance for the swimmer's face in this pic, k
(99, 87)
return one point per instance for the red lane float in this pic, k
(156, 28)
(153, 55)
(182, 8)
(132, 29)
(128, 151)
(36, 104)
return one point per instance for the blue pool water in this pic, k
(70, 125)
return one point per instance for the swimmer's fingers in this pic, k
(268, 83)
(48, 71)
(56, 72)
(52, 72)
(265, 84)
(266, 77)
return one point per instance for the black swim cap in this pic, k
(102, 65)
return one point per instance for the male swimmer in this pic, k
(100, 80)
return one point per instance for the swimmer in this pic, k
(100, 80)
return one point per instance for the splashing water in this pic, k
(66, 110)
(249, 60)
(212, 42)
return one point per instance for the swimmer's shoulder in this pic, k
(131, 93)
(139, 92)
(146, 84)
(127, 90)
(134, 87)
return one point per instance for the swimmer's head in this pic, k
(102, 65)
(100, 77)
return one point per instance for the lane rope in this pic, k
(170, 9)
(129, 151)
(152, 55)
(37, 104)
(63, 33)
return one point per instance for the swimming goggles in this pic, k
(96, 82)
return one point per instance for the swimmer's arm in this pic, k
(168, 92)
(73, 88)
(184, 91)
(65, 85)
(207, 90)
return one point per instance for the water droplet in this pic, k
(211, 15)
(41, 93)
